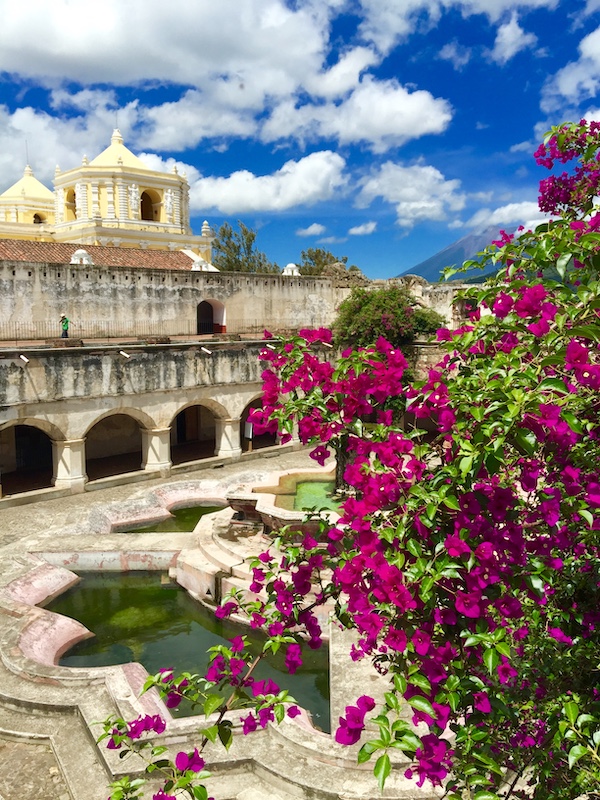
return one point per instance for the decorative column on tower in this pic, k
(110, 200)
(95, 200)
(81, 201)
(59, 200)
(122, 200)
(185, 205)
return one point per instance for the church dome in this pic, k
(28, 187)
(117, 155)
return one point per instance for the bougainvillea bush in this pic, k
(466, 562)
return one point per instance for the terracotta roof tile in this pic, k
(60, 253)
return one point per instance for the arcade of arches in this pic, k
(118, 443)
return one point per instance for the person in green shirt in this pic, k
(65, 326)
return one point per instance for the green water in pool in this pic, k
(181, 520)
(142, 616)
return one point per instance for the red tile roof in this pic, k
(60, 253)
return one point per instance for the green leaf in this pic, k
(210, 733)
(413, 547)
(200, 793)
(212, 702)
(553, 384)
(400, 684)
(383, 767)
(409, 742)
(419, 680)
(575, 753)
(562, 262)
(525, 441)
(587, 332)
(571, 709)
(451, 502)
(483, 794)
(367, 750)
(465, 464)
(422, 704)
(491, 658)
(225, 734)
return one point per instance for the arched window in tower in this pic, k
(146, 206)
(70, 210)
(37, 219)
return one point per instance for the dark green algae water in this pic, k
(136, 617)
(180, 521)
(309, 494)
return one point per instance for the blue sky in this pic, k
(382, 130)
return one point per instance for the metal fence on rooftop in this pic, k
(106, 329)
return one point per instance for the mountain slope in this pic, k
(454, 255)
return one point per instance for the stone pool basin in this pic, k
(259, 502)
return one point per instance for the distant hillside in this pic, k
(454, 255)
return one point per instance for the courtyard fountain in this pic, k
(295, 759)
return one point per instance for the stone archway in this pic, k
(25, 459)
(210, 317)
(193, 434)
(113, 445)
(248, 440)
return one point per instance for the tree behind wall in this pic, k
(236, 251)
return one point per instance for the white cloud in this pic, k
(577, 81)
(382, 114)
(312, 179)
(53, 140)
(343, 76)
(186, 122)
(316, 229)
(262, 44)
(526, 213)
(456, 54)
(363, 230)
(389, 21)
(419, 192)
(510, 40)
(332, 240)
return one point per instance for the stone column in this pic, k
(122, 200)
(68, 464)
(156, 450)
(227, 435)
(110, 200)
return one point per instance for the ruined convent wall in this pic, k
(103, 302)
(122, 301)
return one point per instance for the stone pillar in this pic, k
(110, 200)
(95, 200)
(122, 200)
(156, 450)
(227, 436)
(68, 464)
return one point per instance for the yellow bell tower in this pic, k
(113, 200)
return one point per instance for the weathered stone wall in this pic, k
(103, 302)
(65, 392)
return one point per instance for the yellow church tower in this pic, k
(113, 200)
